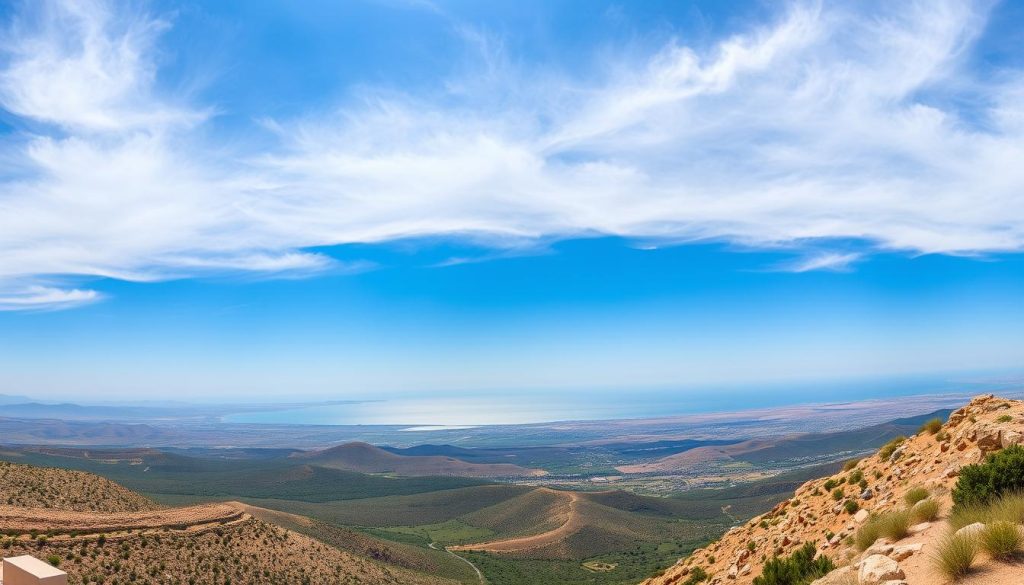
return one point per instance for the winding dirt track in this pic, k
(13, 518)
(573, 521)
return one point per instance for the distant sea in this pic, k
(430, 409)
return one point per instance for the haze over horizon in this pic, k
(413, 198)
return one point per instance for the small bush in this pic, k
(851, 506)
(850, 464)
(887, 450)
(1001, 473)
(856, 476)
(1001, 540)
(798, 569)
(932, 427)
(830, 484)
(925, 511)
(697, 575)
(915, 495)
(894, 525)
(1004, 418)
(837, 494)
(53, 560)
(941, 436)
(867, 534)
(954, 556)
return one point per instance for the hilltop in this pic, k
(365, 458)
(99, 531)
(61, 489)
(837, 513)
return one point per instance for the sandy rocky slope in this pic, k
(813, 514)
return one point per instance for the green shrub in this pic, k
(837, 494)
(1001, 473)
(697, 575)
(1001, 540)
(830, 484)
(800, 568)
(941, 436)
(925, 511)
(887, 450)
(932, 427)
(851, 506)
(954, 556)
(850, 464)
(915, 495)
(53, 560)
(856, 476)
(1004, 418)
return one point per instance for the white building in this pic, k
(28, 570)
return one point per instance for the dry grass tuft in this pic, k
(954, 556)
(932, 427)
(915, 495)
(894, 525)
(925, 511)
(1001, 540)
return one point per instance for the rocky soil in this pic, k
(60, 489)
(828, 511)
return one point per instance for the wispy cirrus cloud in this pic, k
(829, 122)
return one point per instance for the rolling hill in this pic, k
(98, 531)
(366, 458)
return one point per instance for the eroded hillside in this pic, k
(908, 482)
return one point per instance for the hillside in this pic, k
(831, 512)
(99, 531)
(551, 524)
(366, 458)
(49, 487)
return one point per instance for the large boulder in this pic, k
(878, 568)
(1010, 438)
(971, 530)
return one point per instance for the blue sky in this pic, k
(325, 200)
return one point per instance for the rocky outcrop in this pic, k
(878, 568)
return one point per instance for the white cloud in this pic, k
(43, 298)
(829, 123)
(825, 261)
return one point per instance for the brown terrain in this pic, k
(565, 512)
(365, 458)
(45, 487)
(817, 515)
(100, 532)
